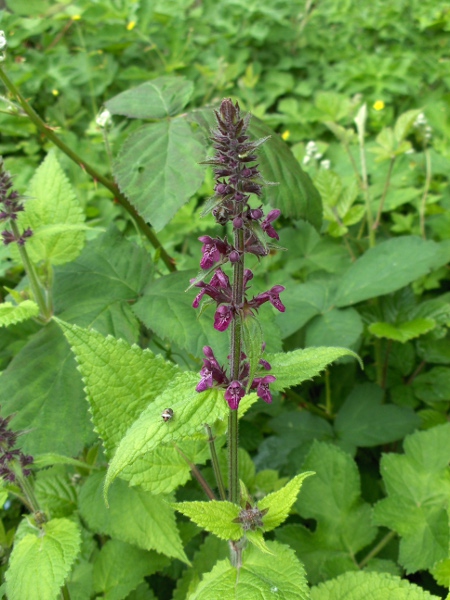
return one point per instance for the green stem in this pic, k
(423, 202)
(38, 294)
(310, 407)
(360, 125)
(376, 549)
(328, 403)
(215, 463)
(65, 594)
(110, 185)
(385, 190)
(196, 473)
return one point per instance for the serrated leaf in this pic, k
(32, 387)
(418, 496)
(369, 586)
(291, 368)
(433, 386)
(41, 561)
(262, 577)
(55, 494)
(158, 169)
(167, 310)
(156, 99)
(121, 380)
(10, 313)
(403, 332)
(52, 202)
(396, 262)
(364, 421)
(441, 572)
(191, 411)
(214, 516)
(329, 186)
(134, 516)
(119, 568)
(279, 503)
(256, 538)
(404, 123)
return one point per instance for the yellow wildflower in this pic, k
(379, 105)
(55, 92)
(76, 17)
(131, 25)
(286, 134)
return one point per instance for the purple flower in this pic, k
(262, 387)
(223, 317)
(272, 296)
(266, 224)
(213, 249)
(233, 394)
(211, 372)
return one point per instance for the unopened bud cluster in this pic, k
(237, 178)
(11, 458)
(422, 126)
(10, 205)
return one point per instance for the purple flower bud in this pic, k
(256, 214)
(239, 197)
(234, 256)
(221, 189)
(233, 394)
(248, 276)
(223, 317)
(238, 222)
(8, 237)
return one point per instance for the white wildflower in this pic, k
(104, 118)
(325, 164)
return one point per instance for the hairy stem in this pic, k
(385, 190)
(377, 549)
(423, 202)
(145, 229)
(196, 473)
(215, 463)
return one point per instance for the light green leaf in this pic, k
(214, 516)
(121, 380)
(191, 411)
(41, 561)
(404, 123)
(52, 458)
(279, 503)
(167, 309)
(158, 169)
(291, 368)
(52, 202)
(256, 538)
(418, 496)
(403, 332)
(262, 577)
(10, 313)
(32, 387)
(364, 421)
(441, 572)
(156, 99)
(369, 586)
(134, 516)
(329, 186)
(119, 568)
(389, 266)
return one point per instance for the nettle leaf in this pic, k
(389, 266)
(364, 421)
(156, 99)
(119, 568)
(256, 538)
(158, 169)
(291, 368)
(279, 503)
(261, 577)
(333, 498)
(32, 387)
(369, 586)
(54, 214)
(167, 309)
(441, 572)
(418, 496)
(41, 561)
(55, 493)
(10, 313)
(191, 411)
(96, 289)
(403, 332)
(214, 516)
(134, 516)
(121, 380)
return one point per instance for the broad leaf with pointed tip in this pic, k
(10, 313)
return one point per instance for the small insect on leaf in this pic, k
(167, 414)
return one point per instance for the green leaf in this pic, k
(121, 380)
(279, 503)
(32, 387)
(119, 568)
(156, 99)
(418, 496)
(433, 386)
(303, 301)
(329, 186)
(214, 516)
(256, 538)
(96, 289)
(10, 313)
(404, 123)
(403, 332)
(261, 577)
(369, 586)
(333, 498)
(191, 411)
(291, 368)
(52, 202)
(158, 169)
(335, 327)
(134, 516)
(364, 421)
(167, 309)
(41, 561)
(441, 572)
(55, 494)
(395, 262)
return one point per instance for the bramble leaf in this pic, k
(279, 503)
(10, 313)
(41, 561)
(214, 516)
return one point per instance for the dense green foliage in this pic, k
(351, 467)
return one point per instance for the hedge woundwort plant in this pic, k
(237, 178)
